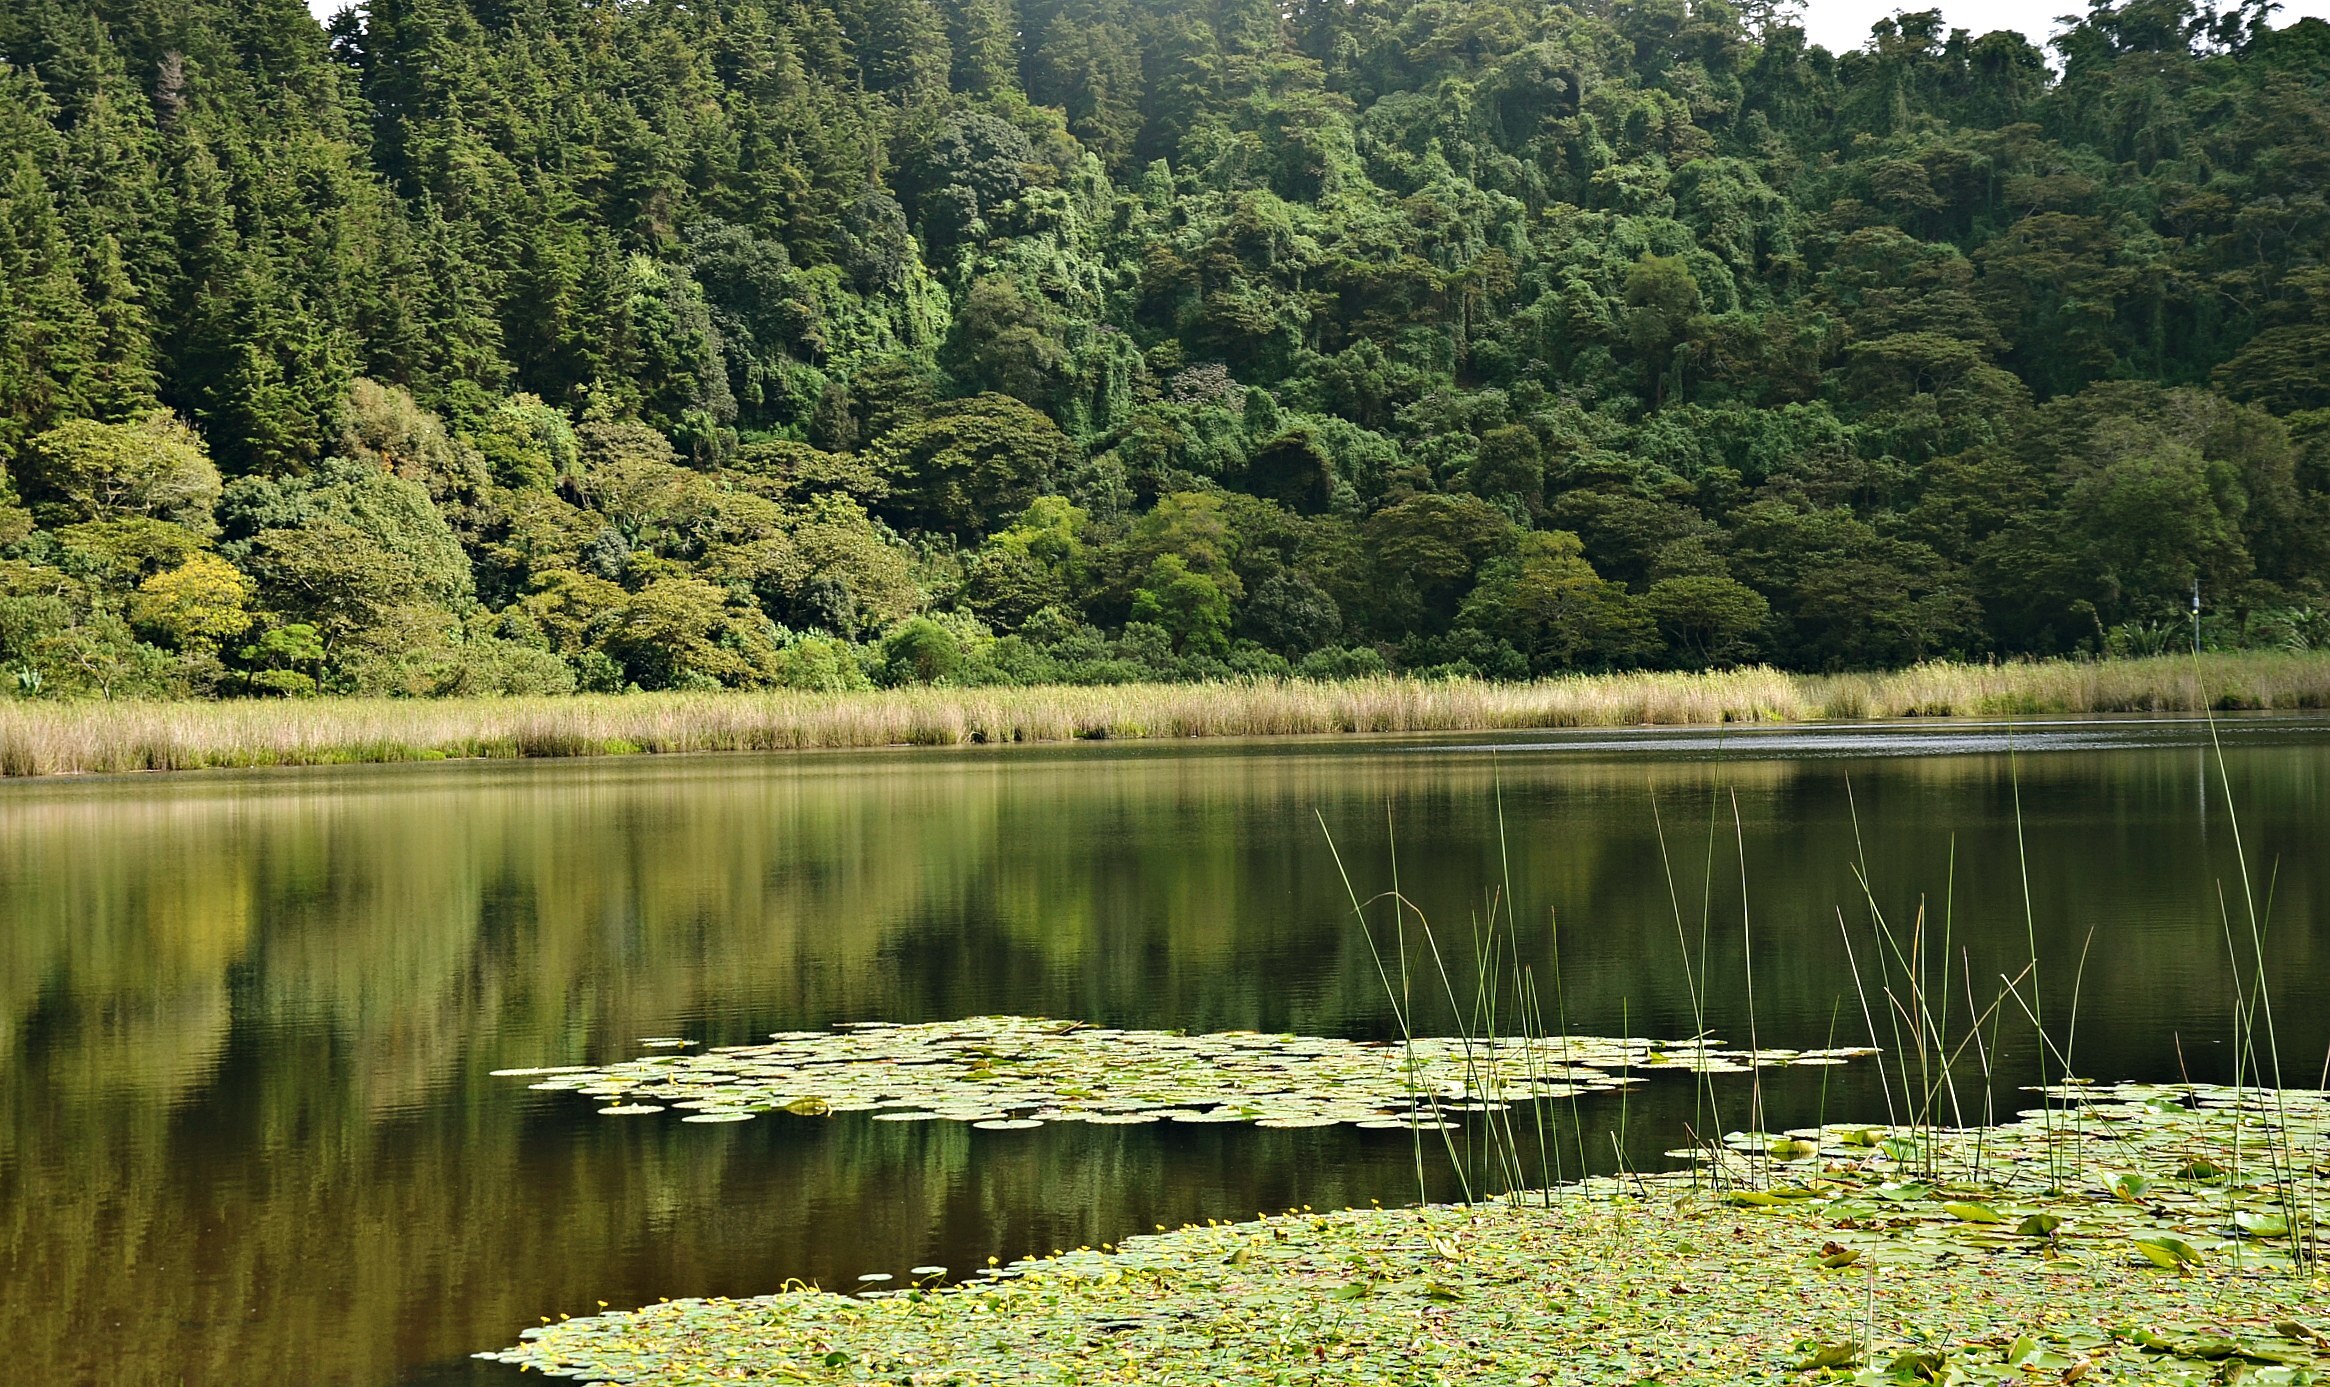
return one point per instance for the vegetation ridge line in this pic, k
(43, 738)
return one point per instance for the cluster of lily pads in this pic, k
(2176, 1176)
(2155, 1234)
(1004, 1072)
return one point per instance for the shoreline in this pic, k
(101, 738)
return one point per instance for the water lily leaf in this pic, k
(2168, 1250)
(2126, 1186)
(987, 1067)
(2220, 1348)
(1570, 1279)
(1971, 1211)
(1835, 1355)
(2256, 1225)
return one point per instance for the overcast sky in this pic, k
(1842, 24)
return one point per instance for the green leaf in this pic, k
(2039, 1225)
(2168, 1250)
(1969, 1211)
(1781, 1194)
(1844, 1355)
(2030, 1355)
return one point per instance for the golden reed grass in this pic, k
(44, 738)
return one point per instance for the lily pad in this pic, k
(1656, 1278)
(985, 1067)
(2167, 1250)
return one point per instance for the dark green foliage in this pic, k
(776, 342)
(920, 652)
(969, 463)
(1293, 615)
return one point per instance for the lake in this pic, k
(250, 1131)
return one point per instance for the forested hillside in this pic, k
(524, 345)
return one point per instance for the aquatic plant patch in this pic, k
(2182, 1177)
(2032, 1261)
(1014, 1072)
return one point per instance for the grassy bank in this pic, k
(44, 738)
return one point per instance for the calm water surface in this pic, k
(247, 1131)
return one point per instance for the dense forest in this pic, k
(535, 345)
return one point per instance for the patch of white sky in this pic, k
(1838, 25)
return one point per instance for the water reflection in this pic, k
(249, 1135)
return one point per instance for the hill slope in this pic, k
(519, 344)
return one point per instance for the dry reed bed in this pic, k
(40, 738)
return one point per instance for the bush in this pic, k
(1250, 661)
(1342, 662)
(919, 651)
(595, 671)
(821, 664)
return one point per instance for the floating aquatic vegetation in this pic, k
(2177, 1176)
(1833, 1267)
(1007, 1073)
